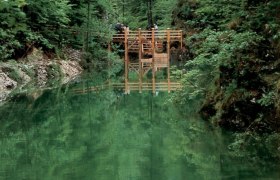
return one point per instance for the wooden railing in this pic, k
(175, 35)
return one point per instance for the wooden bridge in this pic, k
(153, 49)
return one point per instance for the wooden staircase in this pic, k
(147, 48)
(161, 60)
(159, 46)
(133, 46)
(133, 67)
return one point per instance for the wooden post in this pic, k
(140, 57)
(168, 58)
(126, 60)
(153, 61)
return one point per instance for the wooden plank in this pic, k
(150, 60)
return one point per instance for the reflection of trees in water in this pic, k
(104, 135)
(65, 135)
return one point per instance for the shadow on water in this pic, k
(107, 135)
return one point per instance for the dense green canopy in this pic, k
(231, 54)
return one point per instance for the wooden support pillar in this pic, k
(126, 60)
(140, 57)
(153, 61)
(168, 58)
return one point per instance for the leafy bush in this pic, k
(233, 46)
(12, 24)
(267, 99)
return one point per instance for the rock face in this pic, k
(69, 69)
(6, 85)
(38, 69)
(42, 75)
(6, 82)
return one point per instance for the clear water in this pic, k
(105, 135)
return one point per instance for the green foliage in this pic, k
(95, 32)
(25, 23)
(162, 13)
(48, 18)
(53, 70)
(254, 147)
(267, 99)
(12, 72)
(50, 25)
(12, 24)
(134, 13)
(232, 45)
(222, 48)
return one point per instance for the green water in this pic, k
(106, 135)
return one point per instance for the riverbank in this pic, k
(39, 71)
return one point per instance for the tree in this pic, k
(12, 25)
(47, 18)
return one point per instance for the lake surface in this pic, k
(105, 135)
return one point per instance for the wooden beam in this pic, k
(126, 60)
(140, 57)
(153, 61)
(168, 58)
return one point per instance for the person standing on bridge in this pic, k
(155, 27)
(119, 28)
(126, 28)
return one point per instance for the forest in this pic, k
(231, 63)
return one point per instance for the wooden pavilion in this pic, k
(153, 49)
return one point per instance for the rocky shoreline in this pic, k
(39, 70)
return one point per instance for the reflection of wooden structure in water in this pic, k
(133, 86)
(153, 48)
